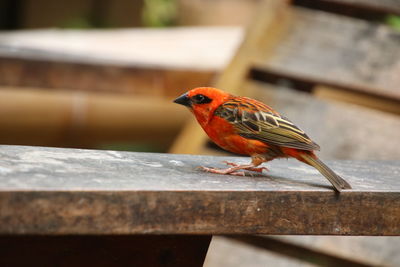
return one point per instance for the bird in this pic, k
(245, 126)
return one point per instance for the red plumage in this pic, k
(246, 126)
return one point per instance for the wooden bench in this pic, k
(76, 207)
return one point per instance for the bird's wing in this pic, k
(255, 120)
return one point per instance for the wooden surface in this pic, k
(114, 78)
(302, 253)
(66, 191)
(153, 62)
(185, 48)
(259, 251)
(229, 252)
(371, 251)
(364, 54)
(376, 251)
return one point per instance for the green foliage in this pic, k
(393, 21)
(159, 13)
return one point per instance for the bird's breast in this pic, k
(224, 135)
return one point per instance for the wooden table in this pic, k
(104, 207)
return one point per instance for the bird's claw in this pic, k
(222, 171)
(254, 169)
(230, 163)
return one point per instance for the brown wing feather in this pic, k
(255, 120)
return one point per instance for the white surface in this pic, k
(207, 48)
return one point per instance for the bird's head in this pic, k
(203, 101)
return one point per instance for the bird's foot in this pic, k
(230, 171)
(245, 167)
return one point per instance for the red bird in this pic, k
(246, 126)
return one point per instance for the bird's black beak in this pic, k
(184, 100)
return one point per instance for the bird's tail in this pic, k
(338, 182)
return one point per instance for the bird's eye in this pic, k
(201, 99)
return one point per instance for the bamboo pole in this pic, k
(42, 117)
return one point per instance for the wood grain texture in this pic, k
(367, 96)
(67, 191)
(182, 48)
(103, 78)
(377, 251)
(377, 101)
(364, 54)
(312, 256)
(228, 252)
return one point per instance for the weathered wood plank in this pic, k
(123, 61)
(184, 48)
(363, 54)
(370, 250)
(367, 9)
(138, 80)
(377, 251)
(65, 191)
(228, 252)
(373, 97)
(299, 252)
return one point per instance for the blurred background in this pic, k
(102, 75)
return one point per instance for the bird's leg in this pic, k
(255, 161)
(253, 169)
(232, 170)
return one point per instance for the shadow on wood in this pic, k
(103, 250)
